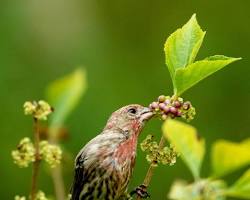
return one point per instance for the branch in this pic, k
(35, 170)
(151, 168)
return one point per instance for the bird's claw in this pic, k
(141, 191)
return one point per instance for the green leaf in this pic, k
(183, 45)
(187, 77)
(180, 190)
(186, 141)
(246, 142)
(202, 189)
(181, 49)
(223, 156)
(241, 188)
(64, 94)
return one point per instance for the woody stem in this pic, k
(36, 163)
(151, 168)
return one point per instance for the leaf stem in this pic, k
(36, 163)
(58, 182)
(151, 168)
(56, 173)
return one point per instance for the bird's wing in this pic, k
(90, 182)
(88, 169)
(79, 179)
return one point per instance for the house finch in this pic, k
(104, 165)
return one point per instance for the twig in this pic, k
(151, 168)
(36, 163)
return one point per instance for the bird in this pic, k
(104, 166)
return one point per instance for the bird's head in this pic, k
(130, 117)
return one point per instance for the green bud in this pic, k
(24, 154)
(52, 154)
(17, 197)
(40, 196)
(40, 110)
(155, 155)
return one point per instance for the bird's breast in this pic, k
(126, 151)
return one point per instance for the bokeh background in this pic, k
(120, 44)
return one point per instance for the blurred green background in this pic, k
(120, 43)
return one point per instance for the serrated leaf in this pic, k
(241, 188)
(183, 45)
(223, 156)
(186, 141)
(64, 95)
(187, 77)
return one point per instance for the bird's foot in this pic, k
(141, 191)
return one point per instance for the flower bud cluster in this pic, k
(39, 196)
(173, 107)
(40, 110)
(24, 154)
(69, 197)
(17, 197)
(52, 154)
(156, 155)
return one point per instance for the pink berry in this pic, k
(154, 105)
(167, 102)
(173, 110)
(177, 104)
(179, 113)
(166, 110)
(162, 106)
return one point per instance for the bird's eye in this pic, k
(132, 110)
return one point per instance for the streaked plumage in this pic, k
(104, 166)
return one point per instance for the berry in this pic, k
(154, 105)
(162, 106)
(172, 107)
(167, 102)
(164, 117)
(186, 105)
(180, 100)
(161, 98)
(177, 104)
(166, 110)
(179, 113)
(173, 110)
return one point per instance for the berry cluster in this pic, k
(173, 107)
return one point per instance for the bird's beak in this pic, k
(146, 114)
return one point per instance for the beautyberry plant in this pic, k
(181, 49)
